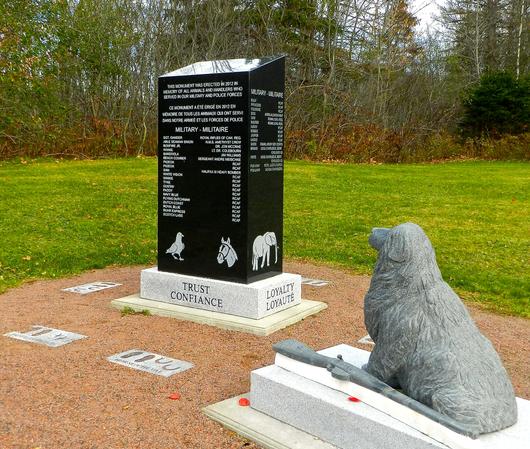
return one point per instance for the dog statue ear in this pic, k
(398, 249)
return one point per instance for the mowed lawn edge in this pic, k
(60, 218)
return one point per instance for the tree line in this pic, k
(78, 77)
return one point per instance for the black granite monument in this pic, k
(220, 169)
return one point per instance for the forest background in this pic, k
(364, 83)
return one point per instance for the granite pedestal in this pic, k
(308, 399)
(327, 413)
(255, 300)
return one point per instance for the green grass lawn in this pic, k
(60, 218)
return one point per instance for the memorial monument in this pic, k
(220, 191)
(220, 169)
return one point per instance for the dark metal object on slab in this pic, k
(342, 370)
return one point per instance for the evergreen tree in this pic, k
(499, 104)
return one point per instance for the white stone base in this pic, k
(256, 300)
(262, 327)
(267, 432)
(328, 414)
(310, 399)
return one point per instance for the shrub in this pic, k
(498, 105)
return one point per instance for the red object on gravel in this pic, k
(78, 384)
(244, 402)
(174, 396)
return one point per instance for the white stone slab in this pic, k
(91, 287)
(515, 437)
(46, 336)
(314, 282)
(366, 340)
(328, 414)
(262, 327)
(267, 432)
(256, 300)
(150, 362)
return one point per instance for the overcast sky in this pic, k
(424, 10)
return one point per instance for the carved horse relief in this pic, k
(261, 248)
(226, 253)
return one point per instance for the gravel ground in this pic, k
(72, 397)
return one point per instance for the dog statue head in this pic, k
(405, 251)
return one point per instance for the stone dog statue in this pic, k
(425, 340)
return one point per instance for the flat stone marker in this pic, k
(150, 362)
(314, 282)
(91, 287)
(46, 336)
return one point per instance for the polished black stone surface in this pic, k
(221, 66)
(220, 169)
